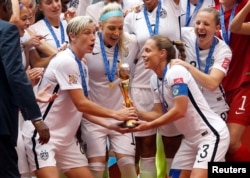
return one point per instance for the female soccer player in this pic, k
(69, 73)
(112, 47)
(237, 81)
(206, 137)
(155, 17)
(208, 58)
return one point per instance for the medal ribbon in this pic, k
(111, 74)
(209, 57)
(53, 33)
(164, 104)
(226, 33)
(80, 66)
(197, 7)
(157, 21)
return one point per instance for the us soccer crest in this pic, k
(72, 79)
(44, 155)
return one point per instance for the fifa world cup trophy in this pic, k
(123, 74)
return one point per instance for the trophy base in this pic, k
(128, 124)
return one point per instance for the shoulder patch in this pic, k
(72, 79)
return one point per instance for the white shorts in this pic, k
(143, 99)
(96, 136)
(197, 152)
(50, 154)
(23, 164)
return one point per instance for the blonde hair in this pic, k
(77, 24)
(114, 6)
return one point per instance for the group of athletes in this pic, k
(189, 83)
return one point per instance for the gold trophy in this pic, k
(123, 74)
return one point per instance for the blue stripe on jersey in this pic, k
(180, 89)
(207, 123)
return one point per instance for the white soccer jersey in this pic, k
(135, 23)
(40, 28)
(82, 6)
(94, 10)
(199, 117)
(193, 13)
(63, 118)
(220, 60)
(98, 80)
(112, 98)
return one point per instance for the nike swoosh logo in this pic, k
(199, 161)
(155, 89)
(138, 18)
(95, 53)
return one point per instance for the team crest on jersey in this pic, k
(225, 63)
(44, 155)
(72, 79)
(163, 13)
(175, 90)
(178, 80)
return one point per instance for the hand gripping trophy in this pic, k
(123, 74)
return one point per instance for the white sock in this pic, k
(97, 169)
(127, 167)
(148, 168)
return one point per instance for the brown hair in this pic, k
(163, 42)
(215, 13)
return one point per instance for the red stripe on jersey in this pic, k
(226, 63)
(178, 80)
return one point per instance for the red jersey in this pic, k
(239, 70)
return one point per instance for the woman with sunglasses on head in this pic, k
(112, 48)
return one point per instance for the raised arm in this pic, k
(238, 24)
(211, 81)
(15, 12)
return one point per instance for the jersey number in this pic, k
(204, 151)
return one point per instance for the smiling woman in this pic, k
(112, 47)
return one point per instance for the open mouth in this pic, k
(202, 35)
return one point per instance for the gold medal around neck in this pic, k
(111, 85)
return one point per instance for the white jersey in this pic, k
(63, 118)
(98, 80)
(135, 23)
(94, 10)
(193, 12)
(25, 58)
(82, 6)
(199, 117)
(220, 60)
(40, 28)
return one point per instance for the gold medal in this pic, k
(111, 85)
